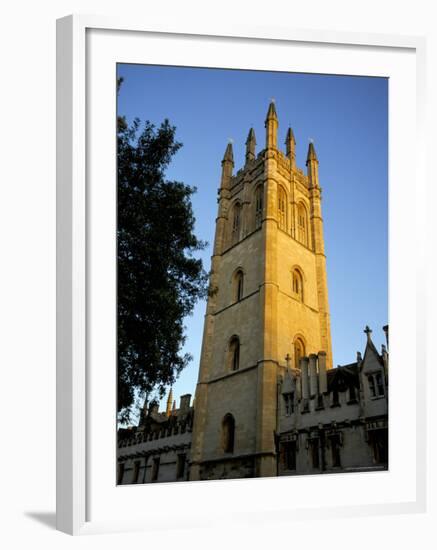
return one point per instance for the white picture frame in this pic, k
(76, 311)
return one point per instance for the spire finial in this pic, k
(311, 156)
(290, 146)
(251, 136)
(229, 152)
(290, 135)
(271, 113)
(271, 125)
(250, 146)
(368, 332)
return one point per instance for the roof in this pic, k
(371, 349)
(342, 377)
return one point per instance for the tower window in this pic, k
(228, 433)
(234, 354)
(236, 223)
(299, 352)
(282, 209)
(258, 206)
(297, 284)
(238, 285)
(302, 225)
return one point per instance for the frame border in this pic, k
(71, 287)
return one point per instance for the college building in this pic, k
(268, 401)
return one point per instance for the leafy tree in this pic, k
(159, 279)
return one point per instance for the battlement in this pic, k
(155, 425)
(284, 162)
(152, 430)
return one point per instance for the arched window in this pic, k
(234, 353)
(302, 224)
(299, 351)
(282, 209)
(297, 284)
(236, 223)
(228, 433)
(238, 285)
(258, 206)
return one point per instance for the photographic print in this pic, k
(252, 258)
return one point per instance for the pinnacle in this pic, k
(271, 113)
(251, 136)
(311, 153)
(290, 135)
(229, 154)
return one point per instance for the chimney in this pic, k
(313, 374)
(297, 381)
(323, 379)
(304, 370)
(185, 402)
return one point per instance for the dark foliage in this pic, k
(159, 279)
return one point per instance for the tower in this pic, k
(268, 301)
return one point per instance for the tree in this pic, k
(159, 279)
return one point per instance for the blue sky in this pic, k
(347, 117)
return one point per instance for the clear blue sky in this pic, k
(348, 120)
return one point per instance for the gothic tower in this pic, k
(268, 301)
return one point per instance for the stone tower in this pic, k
(268, 301)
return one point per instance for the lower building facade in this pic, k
(328, 421)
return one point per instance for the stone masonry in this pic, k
(268, 401)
